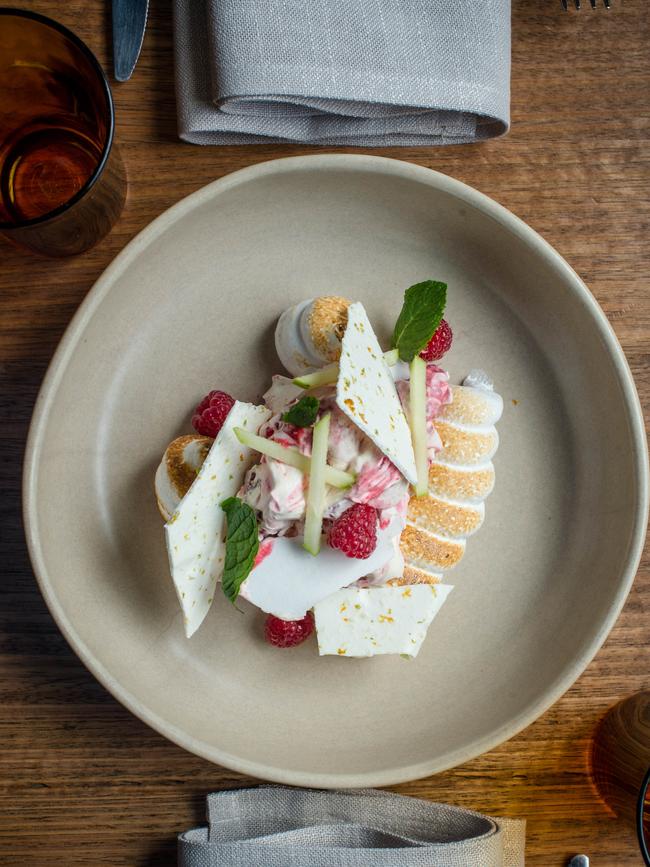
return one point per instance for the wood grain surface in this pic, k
(82, 782)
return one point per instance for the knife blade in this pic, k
(129, 24)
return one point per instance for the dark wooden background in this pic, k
(82, 782)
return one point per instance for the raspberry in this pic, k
(288, 633)
(355, 531)
(211, 413)
(439, 343)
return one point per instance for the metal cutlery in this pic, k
(129, 24)
(577, 3)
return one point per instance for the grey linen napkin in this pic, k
(342, 72)
(275, 826)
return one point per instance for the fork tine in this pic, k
(577, 4)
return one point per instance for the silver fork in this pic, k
(578, 4)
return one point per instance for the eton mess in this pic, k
(340, 503)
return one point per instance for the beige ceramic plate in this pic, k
(191, 305)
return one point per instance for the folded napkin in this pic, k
(342, 72)
(275, 826)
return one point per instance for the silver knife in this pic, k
(129, 24)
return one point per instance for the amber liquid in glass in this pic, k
(45, 169)
(56, 138)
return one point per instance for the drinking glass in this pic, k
(620, 763)
(62, 180)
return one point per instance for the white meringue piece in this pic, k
(366, 393)
(377, 620)
(195, 532)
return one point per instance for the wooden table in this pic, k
(82, 781)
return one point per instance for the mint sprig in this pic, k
(303, 413)
(421, 314)
(242, 544)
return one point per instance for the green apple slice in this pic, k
(391, 357)
(329, 375)
(418, 423)
(326, 376)
(316, 492)
(290, 455)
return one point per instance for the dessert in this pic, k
(339, 504)
(309, 335)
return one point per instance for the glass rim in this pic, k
(640, 816)
(110, 131)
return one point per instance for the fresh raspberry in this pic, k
(355, 531)
(439, 344)
(288, 633)
(211, 413)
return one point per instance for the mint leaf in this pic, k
(423, 308)
(303, 413)
(242, 543)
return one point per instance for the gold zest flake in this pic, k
(343, 608)
(363, 418)
(345, 619)
(173, 518)
(186, 536)
(350, 404)
(407, 593)
(341, 651)
(385, 618)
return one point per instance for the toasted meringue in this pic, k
(309, 334)
(177, 470)
(460, 478)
